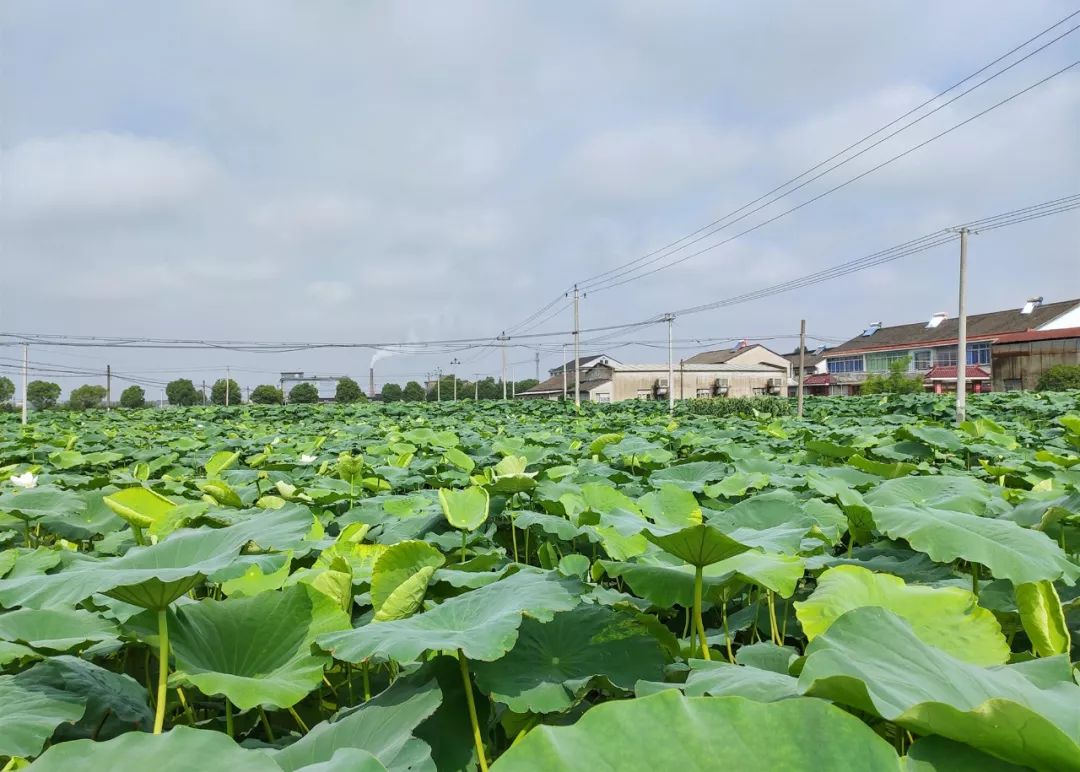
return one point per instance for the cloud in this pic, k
(328, 292)
(100, 176)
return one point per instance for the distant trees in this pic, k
(489, 388)
(391, 392)
(896, 382)
(132, 397)
(265, 394)
(413, 392)
(222, 388)
(182, 392)
(304, 393)
(42, 394)
(86, 397)
(7, 389)
(1060, 378)
(525, 385)
(348, 390)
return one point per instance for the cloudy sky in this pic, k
(343, 171)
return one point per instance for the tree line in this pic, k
(43, 395)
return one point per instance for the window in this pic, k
(978, 353)
(945, 356)
(1013, 384)
(846, 364)
(644, 394)
(760, 391)
(704, 393)
(603, 397)
(923, 359)
(880, 361)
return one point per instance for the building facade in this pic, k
(1019, 359)
(930, 349)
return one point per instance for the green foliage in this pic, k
(7, 389)
(391, 392)
(182, 392)
(896, 382)
(1060, 378)
(42, 394)
(221, 388)
(265, 394)
(132, 397)
(348, 390)
(86, 397)
(743, 407)
(304, 393)
(413, 392)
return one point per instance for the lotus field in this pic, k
(523, 587)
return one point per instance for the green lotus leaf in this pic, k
(466, 509)
(221, 492)
(141, 507)
(221, 461)
(483, 622)
(56, 629)
(1042, 618)
(947, 617)
(722, 679)
(43, 501)
(880, 468)
(698, 545)
(872, 660)
(181, 749)
(383, 727)
(1010, 551)
(115, 702)
(692, 476)
(767, 656)
(937, 754)
(670, 731)
(671, 505)
(255, 651)
(256, 579)
(32, 713)
(554, 663)
(459, 459)
(556, 525)
(400, 577)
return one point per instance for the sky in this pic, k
(340, 171)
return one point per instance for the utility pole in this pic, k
(438, 385)
(802, 363)
(564, 372)
(108, 388)
(161, 401)
(25, 369)
(513, 384)
(227, 379)
(502, 338)
(248, 390)
(670, 319)
(538, 366)
(961, 353)
(204, 392)
(577, 349)
(476, 387)
(454, 363)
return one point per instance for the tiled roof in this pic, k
(818, 379)
(720, 356)
(1033, 335)
(973, 373)
(979, 326)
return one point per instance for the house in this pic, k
(743, 354)
(326, 384)
(586, 362)
(930, 347)
(1018, 359)
(611, 381)
(813, 363)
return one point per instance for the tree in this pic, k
(525, 385)
(265, 394)
(182, 392)
(348, 390)
(896, 382)
(391, 392)
(42, 394)
(217, 393)
(413, 392)
(133, 396)
(489, 388)
(86, 397)
(7, 389)
(304, 393)
(1060, 378)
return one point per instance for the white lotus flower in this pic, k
(306, 459)
(25, 480)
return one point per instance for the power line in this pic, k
(835, 188)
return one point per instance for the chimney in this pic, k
(371, 382)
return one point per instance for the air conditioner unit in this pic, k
(774, 385)
(721, 386)
(661, 385)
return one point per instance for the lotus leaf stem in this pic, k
(774, 628)
(463, 536)
(228, 717)
(478, 740)
(187, 707)
(299, 721)
(975, 579)
(163, 670)
(697, 612)
(513, 536)
(364, 671)
(727, 634)
(266, 724)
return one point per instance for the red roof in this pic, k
(973, 373)
(1033, 335)
(818, 379)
